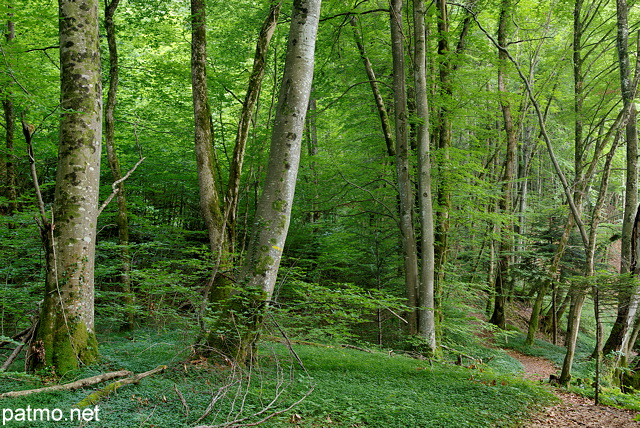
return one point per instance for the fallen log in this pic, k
(95, 397)
(81, 383)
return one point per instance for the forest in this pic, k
(367, 213)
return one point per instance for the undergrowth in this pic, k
(346, 387)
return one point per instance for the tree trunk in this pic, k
(627, 307)
(504, 263)
(274, 207)
(122, 219)
(405, 191)
(10, 122)
(426, 303)
(248, 107)
(443, 138)
(377, 95)
(210, 207)
(65, 338)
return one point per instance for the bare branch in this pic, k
(114, 186)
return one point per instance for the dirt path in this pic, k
(574, 411)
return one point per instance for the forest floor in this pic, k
(574, 410)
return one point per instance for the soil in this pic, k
(575, 410)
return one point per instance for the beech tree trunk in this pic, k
(443, 134)
(426, 301)
(273, 213)
(65, 338)
(405, 190)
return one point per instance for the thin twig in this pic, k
(116, 189)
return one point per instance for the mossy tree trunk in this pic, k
(65, 338)
(264, 252)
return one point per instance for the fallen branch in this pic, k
(26, 337)
(69, 386)
(95, 397)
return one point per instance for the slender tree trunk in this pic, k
(10, 122)
(504, 257)
(210, 206)
(443, 138)
(248, 107)
(426, 302)
(377, 95)
(122, 219)
(405, 191)
(274, 207)
(628, 302)
(65, 338)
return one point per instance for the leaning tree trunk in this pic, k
(65, 338)
(377, 95)
(405, 187)
(248, 107)
(273, 212)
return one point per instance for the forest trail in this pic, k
(574, 411)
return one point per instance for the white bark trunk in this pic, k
(274, 207)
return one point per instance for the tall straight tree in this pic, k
(405, 188)
(620, 335)
(122, 219)
(10, 120)
(65, 338)
(426, 301)
(273, 213)
(504, 258)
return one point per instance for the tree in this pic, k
(503, 274)
(65, 337)
(273, 213)
(426, 302)
(10, 125)
(122, 218)
(405, 188)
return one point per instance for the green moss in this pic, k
(279, 205)
(264, 263)
(72, 346)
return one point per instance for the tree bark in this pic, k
(405, 191)
(10, 122)
(443, 138)
(273, 213)
(377, 95)
(210, 207)
(248, 107)
(122, 219)
(426, 301)
(503, 275)
(627, 306)
(65, 338)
